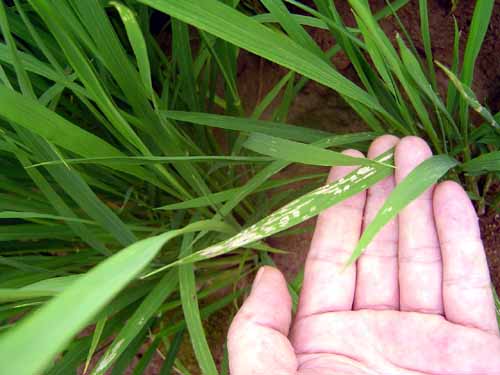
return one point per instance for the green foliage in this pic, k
(122, 159)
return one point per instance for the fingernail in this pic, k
(258, 277)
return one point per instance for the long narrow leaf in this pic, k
(277, 129)
(297, 152)
(225, 22)
(420, 179)
(189, 298)
(297, 211)
(137, 321)
(469, 96)
(34, 342)
(489, 162)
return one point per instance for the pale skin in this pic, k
(418, 301)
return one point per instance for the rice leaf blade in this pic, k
(420, 179)
(33, 343)
(228, 24)
(137, 321)
(297, 211)
(189, 298)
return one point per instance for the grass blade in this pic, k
(228, 24)
(284, 149)
(225, 195)
(420, 179)
(478, 28)
(189, 297)
(296, 133)
(469, 96)
(96, 337)
(172, 353)
(426, 38)
(32, 344)
(140, 160)
(489, 162)
(37, 215)
(451, 94)
(299, 210)
(138, 44)
(137, 321)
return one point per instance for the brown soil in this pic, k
(487, 71)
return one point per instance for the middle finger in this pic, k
(377, 277)
(420, 266)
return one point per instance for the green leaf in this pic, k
(138, 44)
(23, 79)
(451, 94)
(478, 28)
(172, 353)
(146, 358)
(296, 152)
(225, 22)
(416, 73)
(419, 180)
(426, 38)
(55, 284)
(297, 211)
(96, 337)
(34, 342)
(31, 115)
(273, 168)
(59, 17)
(470, 97)
(9, 295)
(489, 162)
(300, 19)
(248, 125)
(137, 321)
(225, 195)
(141, 160)
(292, 27)
(189, 298)
(36, 215)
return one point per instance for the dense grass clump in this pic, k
(135, 186)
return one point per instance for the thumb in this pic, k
(257, 339)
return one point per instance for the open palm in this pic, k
(418, 301)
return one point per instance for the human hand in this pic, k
(418, 301)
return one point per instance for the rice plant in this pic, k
(134, 187)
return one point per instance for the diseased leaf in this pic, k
(297, 211)
(419, 180)
(470, 97)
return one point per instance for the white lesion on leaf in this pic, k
(109, 358)
(364, 170)
(388, 210)
(386, 157)
(284, 221)
(290, 214)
